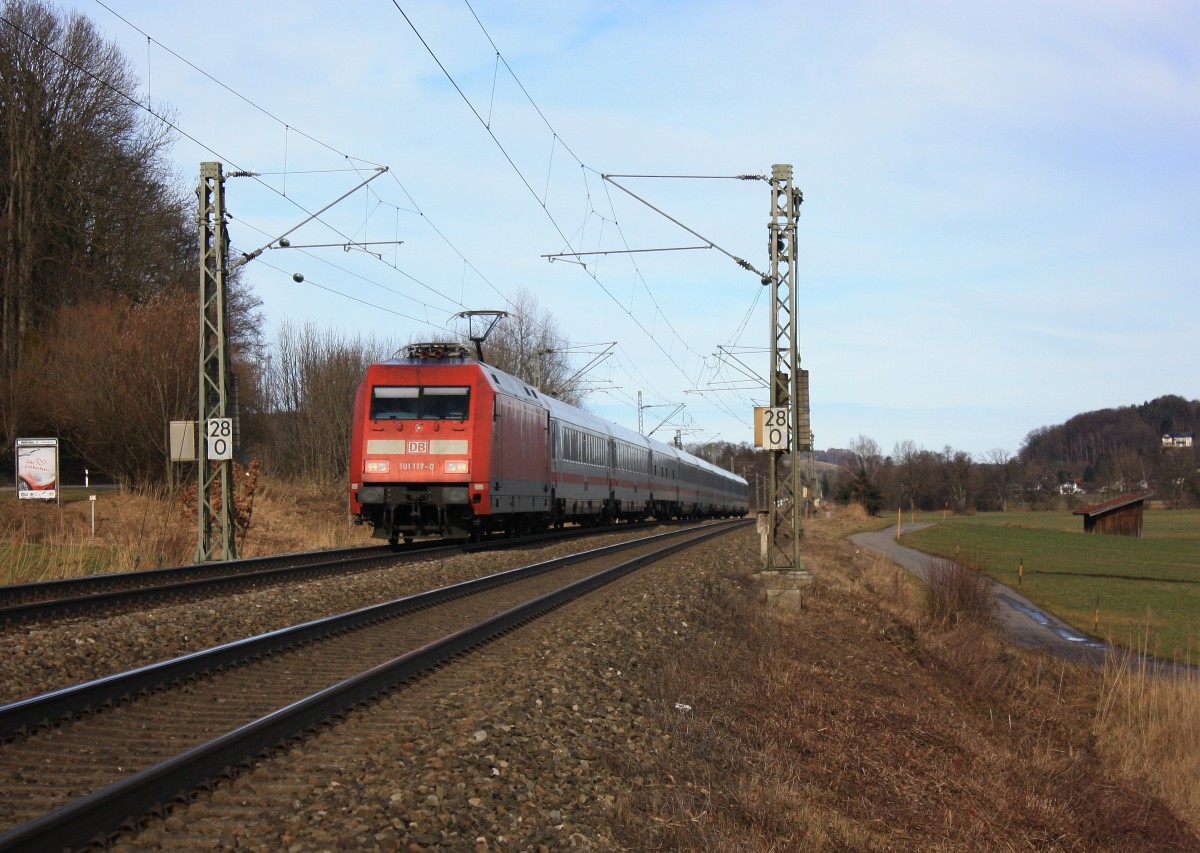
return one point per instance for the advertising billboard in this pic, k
(37, 468)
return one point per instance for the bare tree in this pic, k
(863, 485)
(1001, 475)
(912, 471)
(957, 469)
(867, 457)
(1179, 480)
(309, 395)
(115, 373)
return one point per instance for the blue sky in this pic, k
(1002, 199)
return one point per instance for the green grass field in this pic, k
(1147, 591)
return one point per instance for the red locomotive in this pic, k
(444, 444)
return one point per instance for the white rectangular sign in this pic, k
(218, 432)
(771, 423)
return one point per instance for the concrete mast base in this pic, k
(783, 588)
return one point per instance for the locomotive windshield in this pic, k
(410, 402)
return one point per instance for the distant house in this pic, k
(1071, 487)
(1178, 439)
(1118, 517)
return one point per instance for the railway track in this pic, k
(193, 718)
(123, 591)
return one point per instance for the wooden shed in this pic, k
(1118, 517)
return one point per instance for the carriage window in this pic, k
(390, 403)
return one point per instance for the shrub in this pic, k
(958, 593)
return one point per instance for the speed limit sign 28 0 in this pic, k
(219, 434)
(771, 427)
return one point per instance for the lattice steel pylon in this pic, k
(214, 487)
(789, 384)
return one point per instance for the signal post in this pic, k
(216, 538)
(783, 427)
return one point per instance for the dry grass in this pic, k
(863, 724)
(44, 542)
(958, 593)
(155, 528)
(1148, 725)
(301, 517)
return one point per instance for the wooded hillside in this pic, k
(99, 255)
(1115, 446)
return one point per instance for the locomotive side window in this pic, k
(396, 403)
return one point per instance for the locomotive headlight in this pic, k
(457, 467)
(376, 466)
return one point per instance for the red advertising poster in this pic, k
(37, 468)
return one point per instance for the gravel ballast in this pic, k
(513, 750)
(37, 659)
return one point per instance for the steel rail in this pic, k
(76, 596)
(147, 595)
(27, 715)
(91, 584)
(99, 815)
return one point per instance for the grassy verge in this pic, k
(870, 722)
(1114, 587)
(1148, 726)
(119, 532)
(31, 562)
(154, 528)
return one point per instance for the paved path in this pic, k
(1020, 619)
